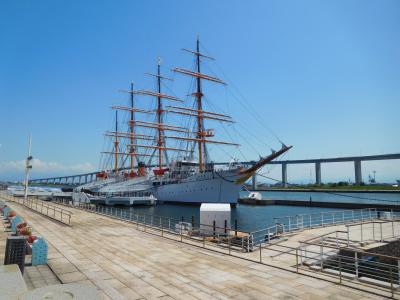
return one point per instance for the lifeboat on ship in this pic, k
(160, 171)
(130, 174)
(102, 175)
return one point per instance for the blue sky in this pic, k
(323, 75)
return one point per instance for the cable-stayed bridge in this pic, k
(357, 160)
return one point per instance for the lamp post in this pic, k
(28, 166)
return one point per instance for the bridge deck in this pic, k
(87, 177)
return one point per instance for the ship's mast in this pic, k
(160, 127)
(132, 130)
(199, 113)
(199, 96)
(116, 142)
(160, 140)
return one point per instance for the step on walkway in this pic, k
(124, 263)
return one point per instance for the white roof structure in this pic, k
(215, 207)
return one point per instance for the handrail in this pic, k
(351, 263)
(326, 212)
(288, 224)
(323, 235)
(373, 222)
(53, 212)
(361, 251)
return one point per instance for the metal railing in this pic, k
(224, 237)
(360, 234)
(328, 218)
(350, 264)
(379, 230)
(53, 212)
(289, 224)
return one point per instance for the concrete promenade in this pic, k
(125, 263)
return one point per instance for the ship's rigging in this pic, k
(146, 139)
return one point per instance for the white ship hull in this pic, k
(208, 187)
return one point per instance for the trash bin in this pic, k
(15, 251)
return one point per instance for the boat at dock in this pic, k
(138, 198)
(41, 193)
(190, 176)
(252, 196)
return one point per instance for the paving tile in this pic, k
(72, 277)
(130, 294)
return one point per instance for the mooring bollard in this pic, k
(180, 228)
(356, 263)
(226, 225)
(214, 229)
(236, 227)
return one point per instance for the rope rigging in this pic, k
(247, 105)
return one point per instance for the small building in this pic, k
(218, 212)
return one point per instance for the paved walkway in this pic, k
(34, 276)
(124, 263)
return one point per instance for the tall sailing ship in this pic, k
(191, 176)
